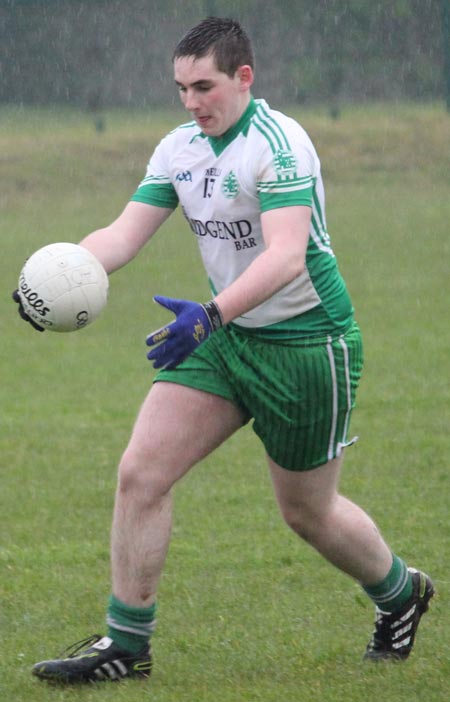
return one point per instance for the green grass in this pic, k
(247, 612)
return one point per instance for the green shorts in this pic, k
(299, 392)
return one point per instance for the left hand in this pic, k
(23, 314)
(193, 325)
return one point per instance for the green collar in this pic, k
(219, 144)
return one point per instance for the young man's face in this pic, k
(215, 100)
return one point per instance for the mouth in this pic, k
(203, 121)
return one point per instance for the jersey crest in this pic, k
(230, 186)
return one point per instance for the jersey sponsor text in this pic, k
(238, 231)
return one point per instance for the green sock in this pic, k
(396, 588)
(130, 627)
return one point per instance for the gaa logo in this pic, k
(185, 175)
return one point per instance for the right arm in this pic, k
(119, 242)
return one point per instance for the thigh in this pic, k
(177, 426)
(310, 491)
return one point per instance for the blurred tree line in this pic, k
(100, 53)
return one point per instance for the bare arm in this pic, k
(286, 232)
(118, 243)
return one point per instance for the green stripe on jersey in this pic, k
(160, 195)
(271, 201)
(298, 183)
(270, 128)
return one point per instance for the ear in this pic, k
(245, 75)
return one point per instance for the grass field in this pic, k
(247, 612)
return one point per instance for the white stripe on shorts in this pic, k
(335, 399)
(348, 386)
(332, 441)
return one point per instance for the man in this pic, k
(277, 344)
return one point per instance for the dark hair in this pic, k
(223, 38)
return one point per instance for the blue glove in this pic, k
(174, 342)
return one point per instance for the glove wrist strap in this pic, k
(214, 315)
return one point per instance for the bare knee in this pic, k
(306, 522)
(141, 478)
(307, 499)
(296, 521)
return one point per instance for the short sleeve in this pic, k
(156, 188)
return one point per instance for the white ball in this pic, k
(63, 287)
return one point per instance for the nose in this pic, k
(190, 100)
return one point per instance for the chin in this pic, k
(210, 131)
(213, 130)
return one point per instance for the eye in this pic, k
(203, 88)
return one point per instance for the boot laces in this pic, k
(72, 650)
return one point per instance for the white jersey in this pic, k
(265, 161)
